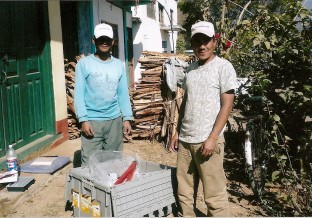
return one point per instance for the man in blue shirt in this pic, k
(102, 102)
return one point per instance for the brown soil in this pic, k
(49, 201)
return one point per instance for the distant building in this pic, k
(155, 28)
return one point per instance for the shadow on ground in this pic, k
(234, 166)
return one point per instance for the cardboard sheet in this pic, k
(56, 164)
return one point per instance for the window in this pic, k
(151, 11)
(160, 13)
(164, 44)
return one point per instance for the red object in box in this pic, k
(128, 174)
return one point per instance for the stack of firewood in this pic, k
(73, 123)
(149, 97)
(154, 105)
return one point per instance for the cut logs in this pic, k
(73, 123)
(155, 107)
(149, 97)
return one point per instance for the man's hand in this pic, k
(126, 127)
(87, 129)
(208, 147)
(174, 143)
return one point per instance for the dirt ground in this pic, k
(50, 200)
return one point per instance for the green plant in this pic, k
(276, 49)
(181, 44)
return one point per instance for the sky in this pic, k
(308, 4)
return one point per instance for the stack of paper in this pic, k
(9, 176)
(44, 161)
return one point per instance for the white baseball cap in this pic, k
(203, 27)
(103, 30)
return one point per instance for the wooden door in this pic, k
(24, 113)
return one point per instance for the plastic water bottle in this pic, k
(11, 159)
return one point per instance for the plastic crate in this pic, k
(152, 194)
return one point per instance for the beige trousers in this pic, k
(191, 167)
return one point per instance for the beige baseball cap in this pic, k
(203, 27)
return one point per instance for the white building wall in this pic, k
(129, 19)
(57, 61)
(147, 34)
(167, 35)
